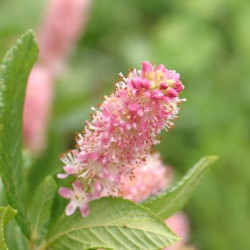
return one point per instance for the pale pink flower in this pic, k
(180, 225)
(77, 197)
(148, 179)
(37, 108)
(152, 178)
(63, 23)
(124, 129)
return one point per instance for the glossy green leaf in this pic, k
(41, 208)
(14, 72)
(6, 214)
(113, 223)
(173, 199)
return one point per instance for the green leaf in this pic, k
(6, 214)
(14, 72)
(113, 223)
(173, 199)
(41, 208)
(14, 238)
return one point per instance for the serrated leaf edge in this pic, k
(174, 236)
(2, 221)
(208, 160)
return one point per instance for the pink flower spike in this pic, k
(37, 109)
(121, 134)
(62, 25)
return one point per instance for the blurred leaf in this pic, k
(14, 21)
(2, 196)
(6, 214)
(13, 231)
(173, 200)
(112, 223)
(41, 207)
(14, 72)
(48, 163)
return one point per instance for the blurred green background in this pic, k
(208, 42)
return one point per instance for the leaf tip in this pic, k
(211, 158)
(12, 209)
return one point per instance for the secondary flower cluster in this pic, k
(121, 134)
(150, 179)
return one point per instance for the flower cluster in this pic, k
(147, 180)
(122, 132)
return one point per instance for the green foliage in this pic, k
(208, 43)
(15, 239)
(6, 214)
(14, 72)
(41, 208)
(174, 199)
(112, 223)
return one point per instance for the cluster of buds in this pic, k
(121, 134)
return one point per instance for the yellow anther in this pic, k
(170, 82)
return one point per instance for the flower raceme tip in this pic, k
(121, 134)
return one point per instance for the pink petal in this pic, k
(69, 169)
(77, 186)
(135, 83)
(62, 176)
(134, 106)
(65, 192)
(147, 67)
(163, 85)
(140, 112)
(157, 94)
(161, 68)
(178, 86)
(145, 84)
(172, 93)
(84, 209)
(71, 208)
